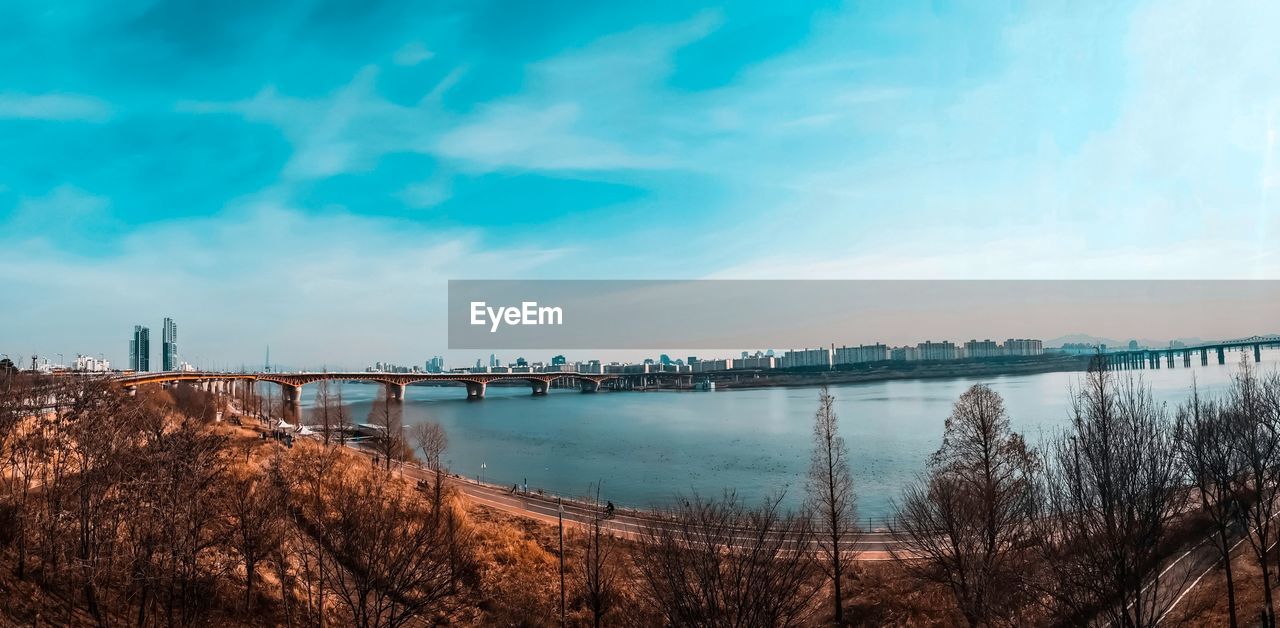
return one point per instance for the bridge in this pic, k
(291, 383)
(1151, 358)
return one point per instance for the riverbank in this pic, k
(885, 371)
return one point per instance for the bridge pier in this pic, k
(1186, 358)
(539, 387)
(1257, 353)
(1168, 359)
(292, 393)
(475, 390)
(1222, 356)
(589, 385)
(1204, 357)
(395, 391)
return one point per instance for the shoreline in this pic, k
(918, 371)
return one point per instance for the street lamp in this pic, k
(560, 517)
(480, 476)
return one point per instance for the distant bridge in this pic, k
(1151, 358)
(477, 383)
(291, 383)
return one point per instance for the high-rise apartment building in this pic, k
(930, 350)
(169, 345)
(1023, 346)
(982, 349)
(140, 349)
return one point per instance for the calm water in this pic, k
(645, 447)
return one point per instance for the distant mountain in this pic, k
(1151, 343)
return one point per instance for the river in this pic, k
(647, 447)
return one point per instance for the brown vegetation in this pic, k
(145, 511)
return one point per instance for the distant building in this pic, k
(705, 366)
(557, 360)
(1133, 345)
(435, 365)
(982, 349)
(91, 364)
(820, 358)
(1023, 346)
(860, 354)
(930, 350)
(140, 349)
(169, 345)
(756, 362)
(904, 354)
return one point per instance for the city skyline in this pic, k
(283, 189)
(910, 351)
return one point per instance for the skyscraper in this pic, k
(169, 345)
(140, 349)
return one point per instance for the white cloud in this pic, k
(426, 193)
(347, 131)
(54, 107)
(65, 207)
(517, 136)
(412, 53)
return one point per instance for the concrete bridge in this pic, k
(291, 383)
(1151, 358)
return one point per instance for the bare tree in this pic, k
(387, 414)
(599, 576)
(432, 441)
(1111, 489)
(258, 523)
(305, 477)
(21, 443)
(1253, 412)
(717, 563)
(967, 523)
(831, 498)
(341, 415)
(323, 413)
(1203, 436)
(390, 561)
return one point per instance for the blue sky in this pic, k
(309, 174)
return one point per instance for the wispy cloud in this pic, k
(517, 136)
(53, 107)
(412, 53)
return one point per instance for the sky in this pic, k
(309, 174)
